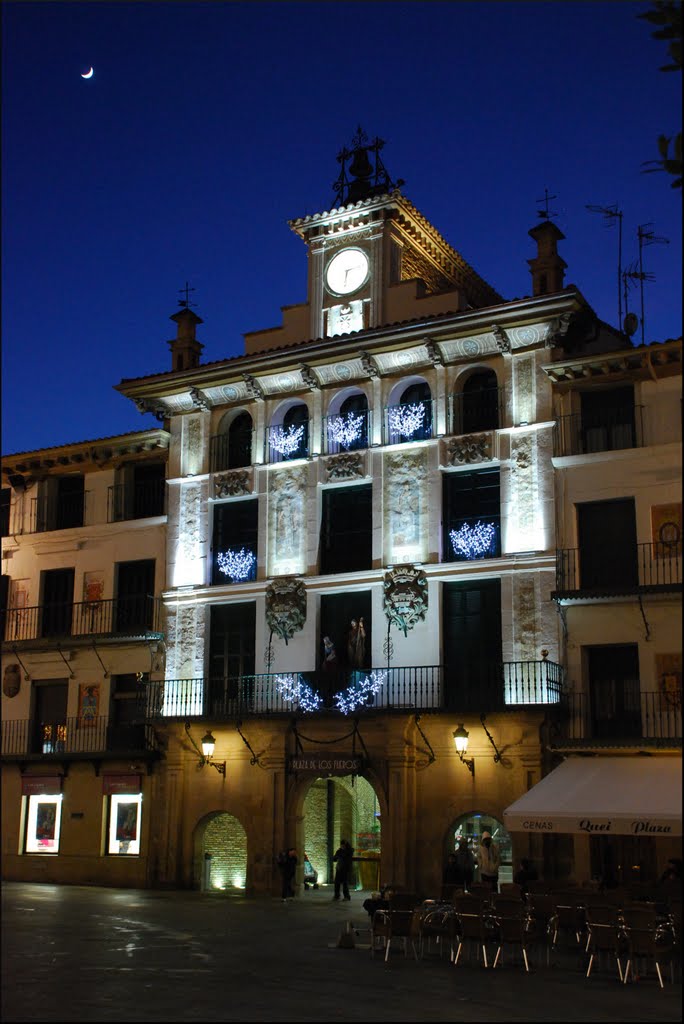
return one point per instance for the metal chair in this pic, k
(395, 924)
(542, 921)
(604, 935)
(512, 931)
(647, 940)
(474, 928)
(438, 924)
(569, 915)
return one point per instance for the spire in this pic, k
(547, 267)
(185, 348)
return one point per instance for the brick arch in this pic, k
(222, 836)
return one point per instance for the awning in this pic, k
(624, 796)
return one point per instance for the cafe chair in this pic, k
(512, 932)
(605, 935)
(438, 924)
(388, 925)
(475, 928)
(647, 941)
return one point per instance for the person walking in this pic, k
(343, 860)
(489, 860)
(287, 863)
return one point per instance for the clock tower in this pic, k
(373, 260)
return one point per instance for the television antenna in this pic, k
(186, 303)
(611, 214)
(546, 214)
(646, 236)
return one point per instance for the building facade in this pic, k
(398, 518)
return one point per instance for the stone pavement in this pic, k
(76, 953)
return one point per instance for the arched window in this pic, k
(240, 441)
(348, 429)
(477, 407)
(289, 438)
(411, 418)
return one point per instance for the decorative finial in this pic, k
(546, 214)
(185, 303)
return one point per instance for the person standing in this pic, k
(465, 863)
(343, 860)
(287, 863)
(489, 860)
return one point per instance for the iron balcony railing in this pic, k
(230, 453)
(75, 736)
(58, 513)
(408, 421)
(499, 686)
(136, 501)
(622, 712)
(283, 444)
(476, 412)
(139, 615)
(612, 430)
(648, 567)
(346, 433)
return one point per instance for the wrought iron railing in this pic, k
(408, 421)
(283, 444)
(476, 412)
(140, 615)
(622, 713)
(82, 735)
(348, 433)
(230, 453)
(609, 431)
(136, 501)
(498, 686)
(58, 513)
(648, 566)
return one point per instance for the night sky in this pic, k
(207, 126)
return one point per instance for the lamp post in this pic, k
(461, 740)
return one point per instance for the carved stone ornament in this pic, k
(471, 448)
(254, 389)
(344, 467)
(309, 377)
(229, 485)
(502, 342)
(11, 680)
(368, 365)
(286, 606)
(433, 353)
(557, 330)
(405, 597)
(199, 400)
(156, 408)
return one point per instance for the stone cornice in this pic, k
(86, 454)
(647, 361)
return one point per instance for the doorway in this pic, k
(344, 807)
(221, 854)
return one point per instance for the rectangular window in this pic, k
(347, 529)
(43, 823)
(234, 546)
(608, 422)
(135, 608)
(471, 513)
(232, 656)
(606, 533)
(614, 691)
(471, 640)
(123, 833)
(58, 602)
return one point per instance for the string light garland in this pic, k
(286, 442)
(345, 430)
(294, 690)
(360, 693)
(473, 541)
(236, 564)
(406, 419)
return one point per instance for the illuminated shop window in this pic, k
(43, 823)
(124, 823)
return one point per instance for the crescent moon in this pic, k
(89, 74)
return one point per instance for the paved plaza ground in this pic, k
(76, 953)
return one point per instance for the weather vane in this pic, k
(546, 213)
(186, 303)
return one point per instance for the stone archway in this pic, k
(472, 825)
(220, 854)
(342, 807)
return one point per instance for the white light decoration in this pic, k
(473, 541)
(345, 430)
(406, 419)
(236, 564)
(295, 691)
(359, 694)
(286, 442)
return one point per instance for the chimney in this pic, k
(547, 268)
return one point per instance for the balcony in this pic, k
(613, 430)
(136, 501)
(409, 421)
(229, 452)
(476, 412)
(137, 617)
(346, 433)
(653, 568)
(283, 444)
(499, 686)
(627, 716)
(75, 738)
(63, 512)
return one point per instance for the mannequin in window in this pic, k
(356, 644)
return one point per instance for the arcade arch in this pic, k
(220, 853)
(472, 826)
(342, 807)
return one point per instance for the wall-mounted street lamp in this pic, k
(497, 755)
(461, 741)
(206, 754)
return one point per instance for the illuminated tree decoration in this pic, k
(473, 541)
(294, 690)
(360, 693)
(406, 419)
(236, 564)
(345, 430)
(287, 442)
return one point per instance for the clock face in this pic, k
(347, 271)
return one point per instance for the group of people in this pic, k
(461, 865)
(287, 861)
